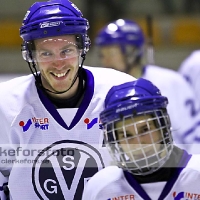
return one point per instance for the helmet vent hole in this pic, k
(45, 32)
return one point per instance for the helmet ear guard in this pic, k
(87, 45)
(26, 53)
(28, 57)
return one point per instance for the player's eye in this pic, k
(145, 129)
(70, 51)
(127, 135)
(44, 54)
(65, 51)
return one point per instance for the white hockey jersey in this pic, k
(182, 107)
(53, 152)
(112, 183)
(190, 69)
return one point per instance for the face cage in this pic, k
(146, 163)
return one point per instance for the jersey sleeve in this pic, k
(6, 118)
(189, 66)
(3, 186)
(190, 70)
(184, 114)
(87, 192)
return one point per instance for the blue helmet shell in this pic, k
(132, 98)
(121, 32)
(54, 18)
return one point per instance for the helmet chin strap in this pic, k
(39, 83)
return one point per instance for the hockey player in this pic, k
(121, 46)
(50, 130)
(190, 69)
(148, 165)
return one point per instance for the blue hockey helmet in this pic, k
(121, 32)
(54, 18)
(130, 100)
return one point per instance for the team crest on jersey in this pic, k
(63, 173)
(90, 123)
(186, 196)
(40, 123)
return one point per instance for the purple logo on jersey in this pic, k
(179, 196)
(90, 124)
(185, 195)
(41, 123)
(26, 126)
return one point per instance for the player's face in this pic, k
(112, 57)
(141, 140)
(58, 61)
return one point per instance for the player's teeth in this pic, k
(59, 75)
